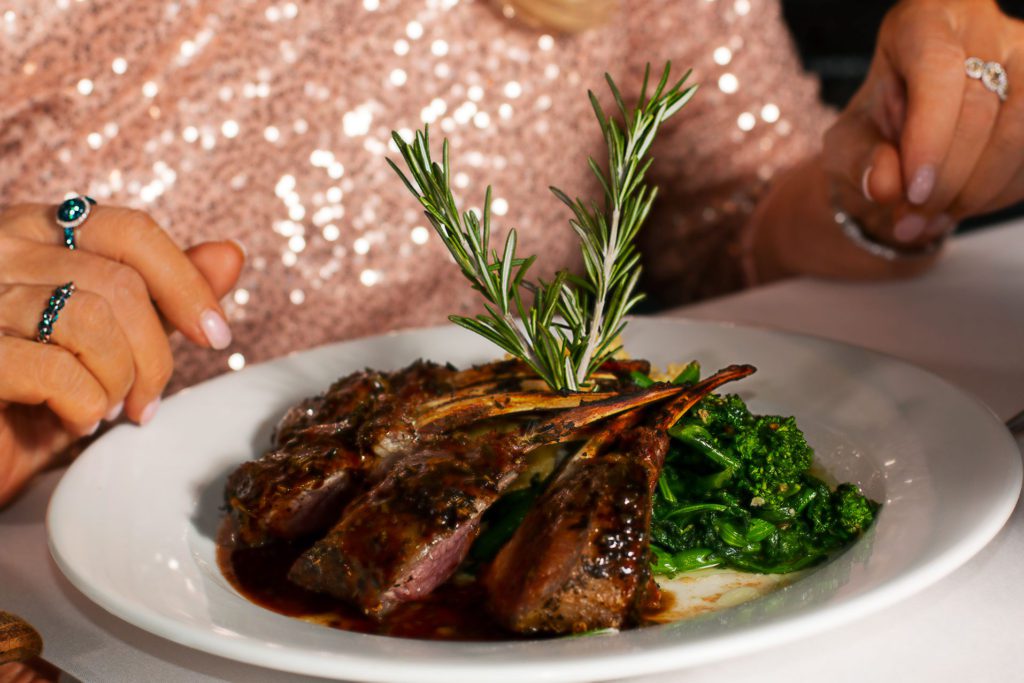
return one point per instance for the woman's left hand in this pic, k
(922, 146)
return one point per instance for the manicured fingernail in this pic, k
(940, 225)
(216, 329)
(149, 412)
(114, 412)
(921, 185)
(241, 248)
(864, 183)
(92, 430)
(910, 227)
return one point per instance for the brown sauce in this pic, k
(454, 611)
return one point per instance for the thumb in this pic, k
(219, 262)
(881, 180)
(864, 164)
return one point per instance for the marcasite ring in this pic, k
(991, 74)
(72, 213)
(52, 311)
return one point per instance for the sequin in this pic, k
(369, 277)
(269, 120)
(414, 30)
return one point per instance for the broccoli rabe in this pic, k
(736, 492)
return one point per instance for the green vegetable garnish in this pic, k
(736, 492)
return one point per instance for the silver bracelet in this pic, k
(855, 232)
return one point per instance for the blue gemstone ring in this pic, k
(72, 213)
(52, 311)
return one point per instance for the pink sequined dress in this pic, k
(269, 122)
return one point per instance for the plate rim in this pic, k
(814, 620)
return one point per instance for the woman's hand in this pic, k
(109, 351)
(922, 146)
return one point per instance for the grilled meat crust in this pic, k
(289, 492)
(410, 532)
(383, 469)
(327, 448)
(320, 460)
(579, 561)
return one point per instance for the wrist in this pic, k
(795, 231)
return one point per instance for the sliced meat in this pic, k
(298, 490)
(580, 558)
(301, 486)
(328, 447)
(410, 532)
(579, 561)
(343, 402)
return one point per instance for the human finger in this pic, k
(924, 50)
(1001, 161)
(28, 262)
(133, 238)
(47, 374)
(220, 263)
(979, 112)
(85, 325)
(1012, 194)
(856, 152)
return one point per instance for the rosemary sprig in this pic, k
(607, 237)
(563, 350)
(499, 279)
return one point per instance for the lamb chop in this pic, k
(409, 533)
(302, 484)
(327, 447)
(580, 559)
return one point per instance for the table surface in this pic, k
(963, 321)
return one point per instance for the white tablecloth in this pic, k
(963, 321)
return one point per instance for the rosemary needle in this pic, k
(571, 326)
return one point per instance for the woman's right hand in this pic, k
(109, 351)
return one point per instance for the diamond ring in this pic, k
(991, 74)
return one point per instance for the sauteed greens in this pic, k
(736, 492)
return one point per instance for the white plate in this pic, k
(133, 520)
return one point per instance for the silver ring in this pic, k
(52, 311)
(72, 213)
(991, 74)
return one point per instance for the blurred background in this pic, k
(841, 57)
